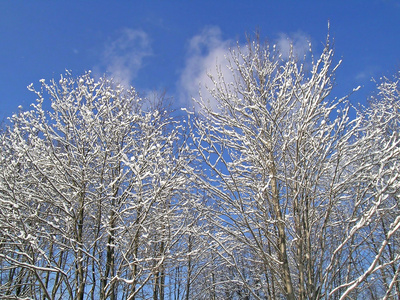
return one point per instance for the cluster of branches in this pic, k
(270, 192)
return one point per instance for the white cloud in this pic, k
(299, 41)
(208, 50)
(205, 52)
(361, 76)
(123, 57)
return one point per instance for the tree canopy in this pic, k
(270, 190)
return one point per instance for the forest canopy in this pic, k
(268, 190)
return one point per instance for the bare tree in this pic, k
(90, 192)
(269, 191)
(370, 248)
(291, 178)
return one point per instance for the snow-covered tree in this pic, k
(269, 191)
(372, 230)
(90, 192)
(295, 184)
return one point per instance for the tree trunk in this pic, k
(281, 243)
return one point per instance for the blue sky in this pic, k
(157, 45)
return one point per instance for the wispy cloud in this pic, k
(366, 74)
(206, 51)
(123, 57)
(299, 41)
